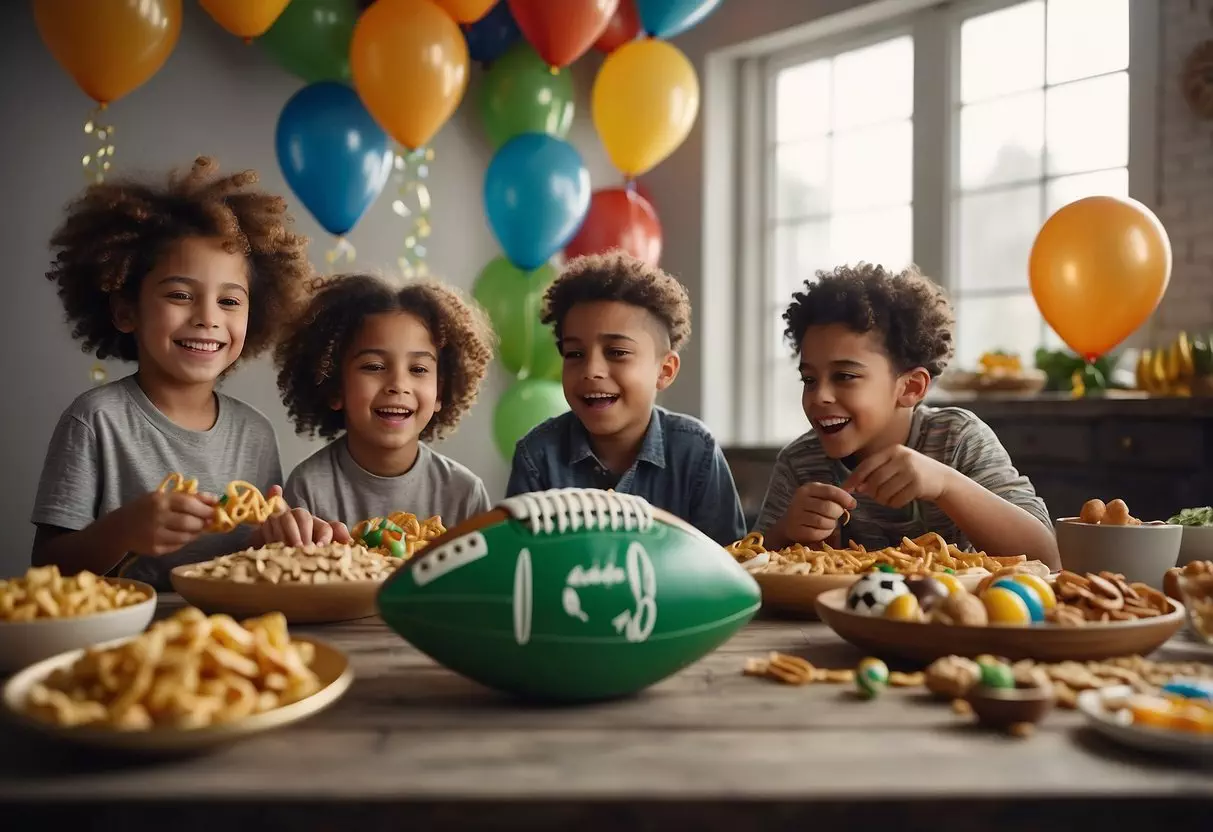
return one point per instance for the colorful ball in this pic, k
(873, 591)
(1041, 586)
(904, 608)
(1005, 607)
(951, 583)
(871, 677)
(997, 675)
(928, 591)
(1036, 608)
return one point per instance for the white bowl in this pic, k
(23, 643)
(1197, 544)
(1141, 553)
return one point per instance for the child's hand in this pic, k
(159, 523)
(898, 475)
(298, 527)
(814, 512)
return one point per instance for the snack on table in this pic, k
(1194, 584)
(188, 671)
(1165, 711)
(241, 502)
(1115, 513)
(400, 534)
(1200, 570)
(278, 563)
(45, 593)
(793, 670)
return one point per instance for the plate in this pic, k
(796, 595)
(329, 664)
(300, 603)
(1160, 740)
(24, 642)
(1042, 642)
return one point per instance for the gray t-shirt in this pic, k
(112, 446)
(332, 486)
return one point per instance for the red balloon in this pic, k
(618, 218)
(644, 192)
(562, 30)
(623, 26)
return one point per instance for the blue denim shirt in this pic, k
(680, 468)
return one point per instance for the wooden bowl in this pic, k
(1004, 707)
(922, 642)
(300, 603)
(795, 596)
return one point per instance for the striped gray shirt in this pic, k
(952, 435)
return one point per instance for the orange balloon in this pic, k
(410, 66)
(109, 47)
(466, 11)
(1098, 269)
(244, 18)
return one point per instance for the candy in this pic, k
(997, 675)
(1029, 596)
(883, 567)
(873, 591)
(1005, 607)
(871, 677)
(904, 608)
(1047, 597)
(928, 591)
(1190, 689)
(951, 583)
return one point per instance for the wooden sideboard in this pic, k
(1155, 454)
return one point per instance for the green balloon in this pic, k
(521, 95)
(524, 405)
(513, 299)
(311, 39)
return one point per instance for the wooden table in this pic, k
(413, 744)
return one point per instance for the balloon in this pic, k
(521, 95)
(513, 300)
(109, 47)
(410, 67)
(334, 156)
(623, 26)
(536, 193)
(489, 37)
(244, 18)
(667, 18)
(1098, 269)
(618, 218)
(466, 11)
(562, 32)
(311, 39)
(645, 99)
(526, 404)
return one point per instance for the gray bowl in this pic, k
(1141, 553)
(1197, 544)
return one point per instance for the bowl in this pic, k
(300, 603)
(788, 595)
(23, 643)
(1141, 553)
(1002, 708)
(1196, 544)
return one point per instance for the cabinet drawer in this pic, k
(1151, 443)
(1053, 443)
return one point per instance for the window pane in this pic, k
(883, 237)
(1012, 324)
(802, 179)
(1066, 189)
(799, 250)
(785, 414)
(802, 101)
(873, 167)
(1088, 124)
(1002, 52)
(1001, 141)
(1087, 37)
(996, 231)
(874, 84)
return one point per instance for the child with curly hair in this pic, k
(382, 371)
(619, 324)
(870, 343)
(184, 279)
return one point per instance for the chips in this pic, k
(278, 563)
(400, 534)
(44, 593)
(189, 671)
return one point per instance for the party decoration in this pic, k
(562, 32)
(527, 403)
(466, 11)
(97, 163)
(410, 67)
(623, 26)
(410, 170)
(334, 156)
(536, 193)
(521, 95)
(668, 18)
(618, 218)
(489, 37)
(513, 300)
(244, 18)
(1098, 269)
(645, 99)
(311, 39)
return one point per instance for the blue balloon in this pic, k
(536, 195)
(667, 18)
(490, 36)
(334, 156)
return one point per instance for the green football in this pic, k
(570, 595)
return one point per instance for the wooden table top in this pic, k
(411, 741)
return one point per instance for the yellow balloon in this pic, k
(1098, 269)
(246, 19)
(645, 99)
(109, 47)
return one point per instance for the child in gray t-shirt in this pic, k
(184, 279)
(381, 371)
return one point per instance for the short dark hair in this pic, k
(310, 357)
(910, 312)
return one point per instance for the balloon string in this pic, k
(410, 169)
(528, 337)
(96, 164)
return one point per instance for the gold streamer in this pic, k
(410, 169)
(97, 163)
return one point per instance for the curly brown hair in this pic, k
(310, 357)
(909, 311)
(115, 232)
(619, 276)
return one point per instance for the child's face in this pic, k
(389, 381)
(192, 313)
(616, 360)
(852, 392)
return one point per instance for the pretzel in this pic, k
(242, 502)
(1101, 598)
